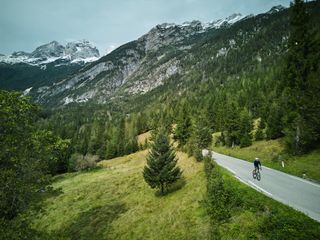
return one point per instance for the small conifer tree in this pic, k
(161, 169)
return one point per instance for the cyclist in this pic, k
(257, 164)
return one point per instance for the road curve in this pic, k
(293, 191)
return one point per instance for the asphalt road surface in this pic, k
(293, 191)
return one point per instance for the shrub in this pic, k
(79, 162)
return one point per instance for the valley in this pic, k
(110, 145)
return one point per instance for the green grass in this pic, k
(270, 154)
(114, 202)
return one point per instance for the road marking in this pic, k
(259, 188)
(230, 170)
(241, 180)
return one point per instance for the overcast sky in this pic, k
(26, 24)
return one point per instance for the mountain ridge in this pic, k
(76, 51)
(144, 64)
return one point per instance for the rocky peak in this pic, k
(233, 18)
(276, 9)
(169, 33)
(49, 50)
(20, 54)
(81, 50)
(192, 24)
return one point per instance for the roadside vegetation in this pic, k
(237, 211)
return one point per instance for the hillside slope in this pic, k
(115, 203)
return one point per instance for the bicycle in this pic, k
(256, 174)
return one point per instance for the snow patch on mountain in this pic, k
(276, 9)
(27, 91)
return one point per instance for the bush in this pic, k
(245, 141)
(198, 155)
(221, 198)
(208, 165)
(79, 162)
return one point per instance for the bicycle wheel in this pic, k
(258, 176)
(254, 174)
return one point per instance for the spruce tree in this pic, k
(301, 87)
(161, 169)
(245, 128)
(231, 126)
(259, 135)
(274, 123)
(183, 129)
(201, 132)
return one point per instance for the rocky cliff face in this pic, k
(50, 50)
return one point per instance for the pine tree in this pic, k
(245, 128)
(274, 123)
(161, 169)
(259, 135)
(300, 84)
(183, 129)
(231, 124)
(201, 132)
(120, 137)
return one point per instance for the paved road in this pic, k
(290, 190)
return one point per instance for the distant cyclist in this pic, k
(257, 164)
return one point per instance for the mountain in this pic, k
(167, 52)
(46, 64)
(79, 51)
(176, 59)
(276, 9)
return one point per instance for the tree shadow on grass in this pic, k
(172, 188)
(94, 223)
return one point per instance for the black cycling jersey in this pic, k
(257, 164)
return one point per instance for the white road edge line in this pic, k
(230, 170)
(241, 180)
(248, 182)
(259, 188)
